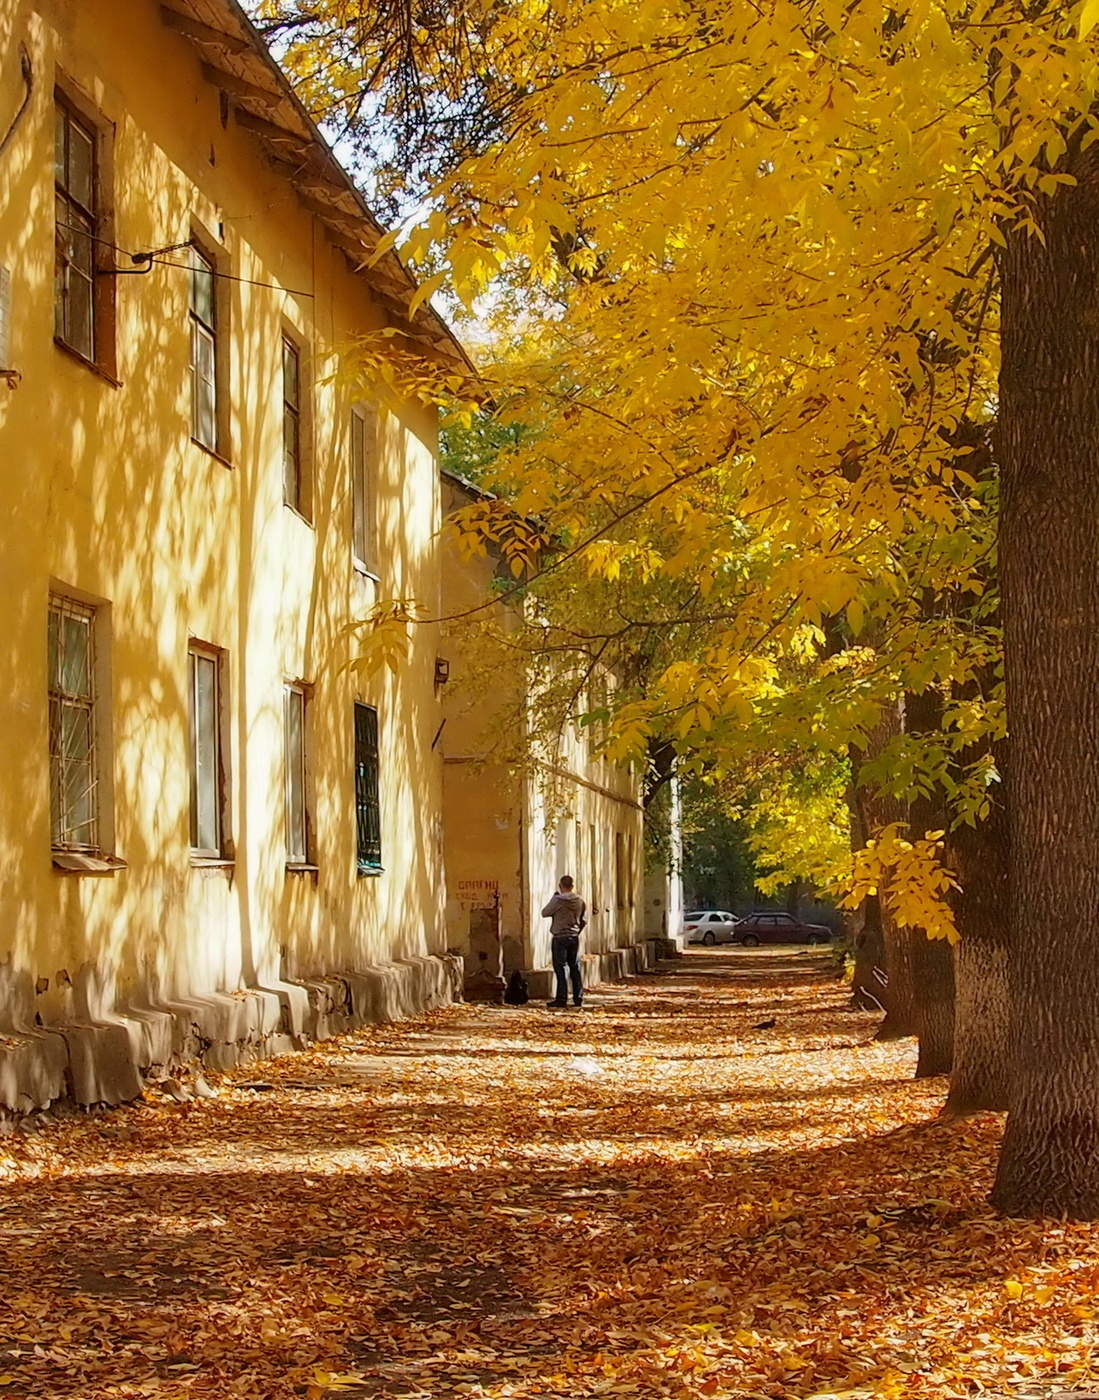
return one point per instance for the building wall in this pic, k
(103, 493)
(519, 812)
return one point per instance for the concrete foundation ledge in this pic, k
(612, 966)
(106, 1060)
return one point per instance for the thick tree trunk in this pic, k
(1049, 567)
(862, 926)
(900, 983)
(868, 980)
(896, 993)
(981, 1075)
(934, 959)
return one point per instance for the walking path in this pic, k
(662, 1195)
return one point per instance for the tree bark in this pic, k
(868, 980)
(877, 810)
(862, 926)
(934, 967)
(1049, 567)
(981, 1075)
(933, 958)
(900, 981)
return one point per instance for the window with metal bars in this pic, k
(74, 804)
(204, 351)
(77, 223)
(367, 806)
(208, 767)
(297, 814)
(292, 477)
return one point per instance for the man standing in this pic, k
(568, 914)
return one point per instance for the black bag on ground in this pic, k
(517, 993)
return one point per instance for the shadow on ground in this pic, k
(653, 1194)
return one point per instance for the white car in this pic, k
(710, 926)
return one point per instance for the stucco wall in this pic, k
(103, 492)
(520, 811)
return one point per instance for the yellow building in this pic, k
(217, 839)
(522, 809)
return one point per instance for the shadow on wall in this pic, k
(101, 978)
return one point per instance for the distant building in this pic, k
(217, 839)
(521, 809)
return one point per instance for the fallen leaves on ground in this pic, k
(647, 1198)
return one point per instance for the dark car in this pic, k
(779, 928)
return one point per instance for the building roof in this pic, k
(237, 61)
(463, 483)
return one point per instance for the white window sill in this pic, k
(363, 572)
(301, 867)
(296, 512)
(212, 863)
(367, 871)
(86, 863)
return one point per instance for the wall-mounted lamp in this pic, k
(442, 670)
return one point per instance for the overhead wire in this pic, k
(145, 261)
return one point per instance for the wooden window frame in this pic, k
(368, 846)
(296, 423)
(62, 700)
(298, 856)
(363, 436)
(71, 108)
(213, 331)
(221, 851)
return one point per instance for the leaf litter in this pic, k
(650, 1198)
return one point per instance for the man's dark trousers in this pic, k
(566, 954)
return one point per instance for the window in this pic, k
(367, 807)
(76, 200)
(292, 483)
(297, 818)
(74, 814)
(208, 769)
(362, 541)
(204, 348)
(593, 852)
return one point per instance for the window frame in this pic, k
(221, 851)
(74, 110)
(213, 332)
(368, 850)
(593, 854)
(620, 869)
(62, 605)
(297, 692)
(296, 413)
(364, 432)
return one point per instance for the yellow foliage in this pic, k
(911, 879)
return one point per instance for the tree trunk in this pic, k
(900, 981)
(875, 811)
(982, 1055)
(933, 957)
(868, 981)
(934, 962)
(1049, 567)
(862, 926)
